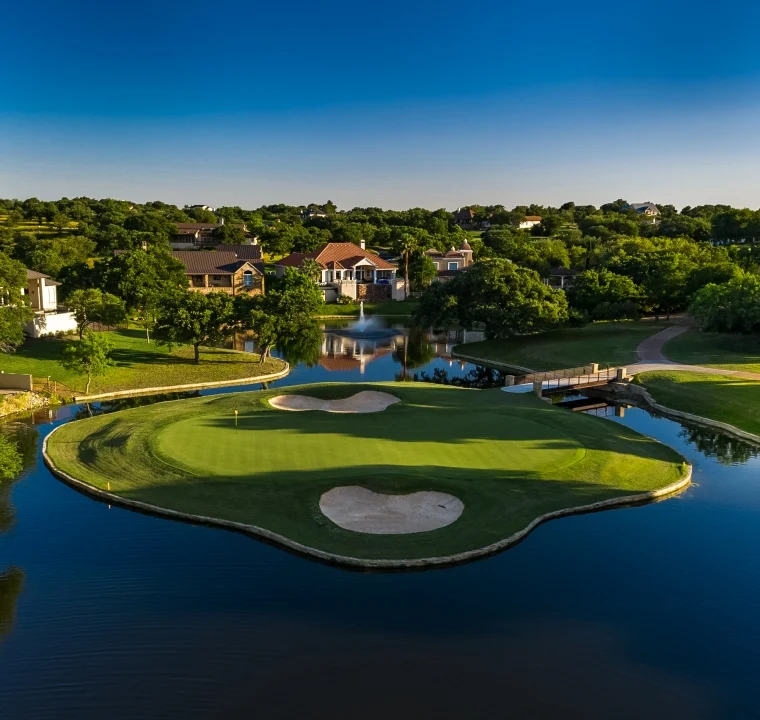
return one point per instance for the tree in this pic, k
(285, 313)
(729, 307)
(593, 288)
(90, 356)
(145, 280)
(665, 287)
(14, 307)
(405, 244)
(51, 255)
(422, 271)
(61, 221)
(505, 298)
(93, 305)
(193, 318)
(229, 234)
(312, 269)
(11, 461)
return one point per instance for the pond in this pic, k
(642, 612)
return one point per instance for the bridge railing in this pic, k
(568, 377)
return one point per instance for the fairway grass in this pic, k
(609, 344)
(137, 364)
(725, 351)
(508, 458)
(724, 398)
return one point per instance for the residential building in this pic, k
(200, 235)
(348, 269)
(200, 207)
(313, 212)
(221, 272)
(529, 221)
(452, 261)
(465, 218)
(49, 319)
(560, 277)
(647, 209)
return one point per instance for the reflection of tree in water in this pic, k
(26, 436)
(306, 348)
(11, 585)
(414, 352)
(726, 450)
(479, 377)
(108, 406)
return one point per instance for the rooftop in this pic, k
(345, 254)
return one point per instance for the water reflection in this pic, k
(478, 377)
(11, 585)
(26, 435)
(726, 450)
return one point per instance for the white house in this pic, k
(529, 221)
(42, 292)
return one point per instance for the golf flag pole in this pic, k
(236, 418)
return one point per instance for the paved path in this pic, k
(651, 356)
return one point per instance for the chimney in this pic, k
(362, 244)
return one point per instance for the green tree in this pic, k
(405, 244)
(229, 234)
(593, 288)
(312, 269)
(145, 280)
(90, 356)
(285, 313)
(729, 307)
(61, 221)
(14, 307)
(93, 305)
(11, 461)
(51, 255)
(422, 271)
(665, 286)
(503, 297)
(193, 318)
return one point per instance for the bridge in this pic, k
(560, 381)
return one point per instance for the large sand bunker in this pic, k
(368, 401)
(356, 508)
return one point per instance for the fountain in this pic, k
(368, 328)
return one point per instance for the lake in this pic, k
(644, 612)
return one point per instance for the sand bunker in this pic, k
(368, 401)
(356, 508)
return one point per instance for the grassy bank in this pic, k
(719, 350)
(717, 397)
(398, 309)
(604, 343)
(509, 458)
(138, 364)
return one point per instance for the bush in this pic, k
(345, 300)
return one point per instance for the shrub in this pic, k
(345, 300)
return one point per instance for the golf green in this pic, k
(508, 458)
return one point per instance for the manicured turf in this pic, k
(604, 343)
(391, 308)
(509, 458)
(719, 350)
(719, 397)
(138, 364)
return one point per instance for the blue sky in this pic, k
(396, 104)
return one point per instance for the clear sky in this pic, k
(429, 103)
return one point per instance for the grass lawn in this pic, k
(509, 458)
(603, 343)
(138, 364)
(719, 350)
(718, 397)
(400, 309)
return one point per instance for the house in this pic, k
(313, 212)
(221, 272)
(42, 292)
(198, 235)
(465, 218)
(647, 209)
(245, 252)
(200, 207)
(450, 262)
(529, 221)
(348, 269)
(560, 277)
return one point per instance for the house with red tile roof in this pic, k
(349, 269)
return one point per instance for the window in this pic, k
(453, 266)
(247, 278)
(51, 296)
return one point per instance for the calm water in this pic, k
(648, 612)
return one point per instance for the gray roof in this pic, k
(200, 262)
(243, 252)
(34, 275)
(641, 207)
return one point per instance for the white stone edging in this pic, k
(192, 386)
(347, 560)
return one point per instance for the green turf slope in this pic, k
(509, 458)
